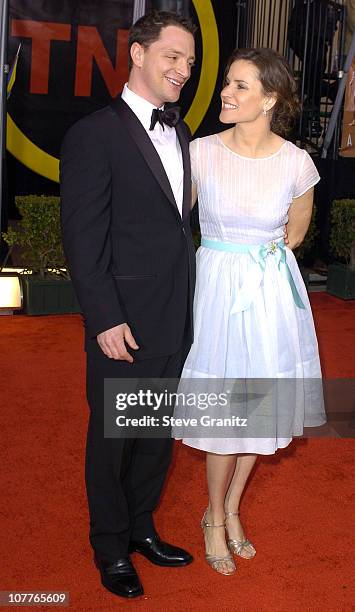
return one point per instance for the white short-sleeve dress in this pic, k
(248, 322)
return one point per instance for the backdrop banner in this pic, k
(348, 133)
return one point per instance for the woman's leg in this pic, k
(220, 470)
(243, 467)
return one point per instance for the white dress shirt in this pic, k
(165, 142)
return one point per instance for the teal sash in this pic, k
(259, 253)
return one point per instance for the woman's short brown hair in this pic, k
(148, 28)
(276, 78)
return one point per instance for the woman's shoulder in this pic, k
(203, 143)
(204, 140)
(295, 151)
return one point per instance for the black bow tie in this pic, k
(170, 116)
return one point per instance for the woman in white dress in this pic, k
(252, 315)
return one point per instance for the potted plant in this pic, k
(341, 275)
(47, 288)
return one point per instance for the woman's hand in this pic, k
(285, 235)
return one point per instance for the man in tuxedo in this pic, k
(126, 195)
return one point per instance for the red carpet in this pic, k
(297, 510)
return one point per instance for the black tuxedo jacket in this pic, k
(130, 253)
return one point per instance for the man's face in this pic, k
(160, 71)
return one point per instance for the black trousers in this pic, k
(124, 477)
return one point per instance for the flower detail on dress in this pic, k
(273, 248)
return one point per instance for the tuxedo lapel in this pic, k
(184, 144)
(146, 147)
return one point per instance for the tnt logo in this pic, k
(89, 49)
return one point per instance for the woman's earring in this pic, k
(265, 112)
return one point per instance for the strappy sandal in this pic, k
(238, 546)
(216, 561)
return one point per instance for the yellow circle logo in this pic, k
(40, 162)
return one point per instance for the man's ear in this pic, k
(137, 54)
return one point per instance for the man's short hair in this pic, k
(148, 28)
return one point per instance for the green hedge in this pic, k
(38, 234)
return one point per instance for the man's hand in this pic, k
(112, 342)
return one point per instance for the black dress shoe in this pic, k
(161, 553)
(120, 577)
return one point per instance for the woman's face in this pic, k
(243, 99)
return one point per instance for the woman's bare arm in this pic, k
(299, 218)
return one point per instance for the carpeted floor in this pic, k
(297, 509)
